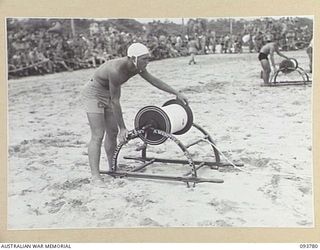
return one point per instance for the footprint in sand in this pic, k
(26, 191)
(214, 223)
(296, 103)
(259, 163)
(305, 223)
(32, 210)
(71, 184)
(78, 204)
(135, 200)
(119, 182)
(227, 222)
(271, 190)
(305, 190)
(192, 89)
(290, 114)
(247, 136)
(223, 206)
(149, 222)
(55, 205)
(222, 223)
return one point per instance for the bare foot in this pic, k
(97, 181)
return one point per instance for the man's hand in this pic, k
(123, 135)
(182, 97)
(273, 70)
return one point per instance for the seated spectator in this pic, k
(57, 60)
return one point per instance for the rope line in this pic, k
(242, 170)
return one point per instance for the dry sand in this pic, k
(268, 129)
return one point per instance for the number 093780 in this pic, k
(309, 245)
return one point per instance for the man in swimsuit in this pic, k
(101, 97)
(268, 49)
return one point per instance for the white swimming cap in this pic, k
(137, 49)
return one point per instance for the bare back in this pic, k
(116, 69)
(267, 48)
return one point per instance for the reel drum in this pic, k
(174, 117)
(288, 65)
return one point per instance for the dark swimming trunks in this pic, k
(262, 56)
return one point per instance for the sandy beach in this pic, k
(268, 129)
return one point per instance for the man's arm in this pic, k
(161, 85)
(115, 92)
(272, 58)
(279, 53)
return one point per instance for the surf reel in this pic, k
(154, 126)
(286, 67)
(173, 117)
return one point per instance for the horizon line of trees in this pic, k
(221, 26)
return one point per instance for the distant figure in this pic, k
(193, 49)
(309, 52)
(101, 98)
(178, 43)
(269, 49)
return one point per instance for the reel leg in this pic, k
(207, 136)
(181, 146)
(190, 177)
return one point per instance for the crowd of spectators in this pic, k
(42, 51)
(291, 35)
(254, 34)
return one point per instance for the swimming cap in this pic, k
(137, 49)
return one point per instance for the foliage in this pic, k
(221, 26)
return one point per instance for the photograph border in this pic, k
(153, 9)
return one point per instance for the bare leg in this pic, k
(192, 59)
(266, 71)
(110, 141)
(97, 126)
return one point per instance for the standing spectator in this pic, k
(178, 43)
(193, 49)
(212, 42)
(202, 44)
